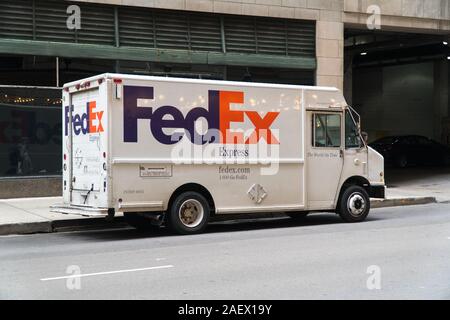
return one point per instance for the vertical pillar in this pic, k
(57, 72)
(348, 77)
(441, 107)
(116, 36)
(330, 53)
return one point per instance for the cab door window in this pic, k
(327, 130)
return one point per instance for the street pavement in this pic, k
(406, 251)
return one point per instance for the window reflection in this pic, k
(327, 131)
(30, 131)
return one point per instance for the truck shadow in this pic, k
(129, 233)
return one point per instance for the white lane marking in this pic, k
(106, 273)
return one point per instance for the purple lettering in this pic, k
(160, 121)
(132, 112)
(80, 122)
(169, 117)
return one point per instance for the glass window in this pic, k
(327, 131)
(30, 131)
(352, 137)
(320, 130)
(30, 111)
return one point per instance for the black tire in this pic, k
(196, 212)
(354, 205)
(298, 216)
(141, 221)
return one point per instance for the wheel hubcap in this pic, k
(356, 204)
(191, 213)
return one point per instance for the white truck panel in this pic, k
(218, 177)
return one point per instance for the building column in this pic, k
(330, 52)
(441, 101)
(348, 77)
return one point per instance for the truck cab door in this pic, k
(324, 162)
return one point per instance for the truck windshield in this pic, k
(352, 135)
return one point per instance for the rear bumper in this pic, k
(79, 210)
(377, 192)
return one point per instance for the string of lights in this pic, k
(24, 100)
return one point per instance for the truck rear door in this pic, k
(88, 148)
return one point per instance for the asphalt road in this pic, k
(407, 249)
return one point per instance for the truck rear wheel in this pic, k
(354, 205)
(189, 213)
(142, 221)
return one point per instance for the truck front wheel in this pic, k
(354, 205)
(189, 213)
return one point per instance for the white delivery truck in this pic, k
(180, 151)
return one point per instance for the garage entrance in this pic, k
(399, 83)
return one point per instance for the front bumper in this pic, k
(377, 192)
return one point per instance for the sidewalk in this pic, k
(416, 186)
(419, 182)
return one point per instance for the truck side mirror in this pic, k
(365, 136)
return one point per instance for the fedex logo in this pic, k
(84, 123)
(219, 117)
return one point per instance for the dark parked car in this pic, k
(405, 151)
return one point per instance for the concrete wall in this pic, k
(401, 100)
(402, 15)
(30, 187)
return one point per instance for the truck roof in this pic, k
(199, 81)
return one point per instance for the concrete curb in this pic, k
(118, 222)
(60, 226)
(87, 224)
(26, 228)
(402, 202)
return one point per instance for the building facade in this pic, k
(362, 47)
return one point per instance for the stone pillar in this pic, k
(348, 77)
(441, 101)
(330, 51)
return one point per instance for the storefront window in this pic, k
(30, 110)
(30, 131)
